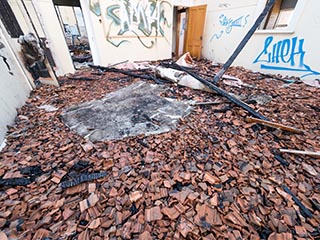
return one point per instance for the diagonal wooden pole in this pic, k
(243, 42)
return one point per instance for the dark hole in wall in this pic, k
(70, 3)
(9, 20)
(289, 4)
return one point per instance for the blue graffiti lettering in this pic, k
(216, 35)
(229, 24)
(288, 53)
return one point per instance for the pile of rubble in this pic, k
(216, 176)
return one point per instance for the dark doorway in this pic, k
(73, 25)
(9, 20)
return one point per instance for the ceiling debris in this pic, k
(218, 174)
(130, 111)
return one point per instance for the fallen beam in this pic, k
(126, 72)
(303, 209)
(243, 42)
(281, 160)
(273, 125)
(314, 154)
(82, 78)
(13, 182)
(83, 178)
(219, 91)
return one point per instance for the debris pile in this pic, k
(130, 111)
(216, 176)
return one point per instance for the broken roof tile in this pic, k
(213, 177)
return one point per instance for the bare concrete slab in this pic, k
(130, 111)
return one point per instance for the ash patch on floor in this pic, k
(130, 111)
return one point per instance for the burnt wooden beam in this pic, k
(83, 178)
(127, 72)
(243, 41)
(280, 159)
(219, 91)
(82, 78)
(13, 182)
(305, 211)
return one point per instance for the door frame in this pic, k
(177, 30)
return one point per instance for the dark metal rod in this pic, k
(243, 42)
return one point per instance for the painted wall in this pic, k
(55, 38)
(132, 30)
(45, 20)
(293, 52)
(14, 87)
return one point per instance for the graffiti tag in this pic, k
(288, 53)
(95, 7)
(229, 24)
(146, 18)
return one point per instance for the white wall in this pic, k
(110, 45)
(67, 15)
(45, 20)
(55, 37)
(14, 87)
(221, 38)
(301, 59)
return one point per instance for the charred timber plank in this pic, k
(219, 91)
(82, 78)
(244, 41)
(277, 78)
(303, 209)
(82, 178)
(16, 181)
(126, 72)
(281, 160)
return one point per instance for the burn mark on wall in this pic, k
(4, 59)
(6, 63)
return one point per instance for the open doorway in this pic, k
(73, 25)
(179, 30)
(189, 30)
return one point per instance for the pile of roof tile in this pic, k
(214, 177)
